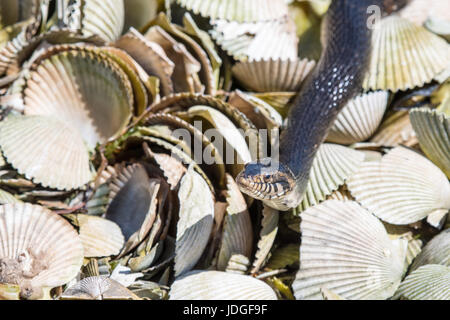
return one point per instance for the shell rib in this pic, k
(437, 251)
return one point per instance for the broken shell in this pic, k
(273, 75)
(403, 188)
(98, 288)
(433, 132)
(429, 282)
(359, 120)
(38, 250)
(195, 223)
(347, 250)
(216, 285)
(58, 159)
(404, 56)
(437, 251)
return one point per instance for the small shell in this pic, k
(195, 223)
(98, 288)
(273, 75)
(403, 188)
(347, 250)
(236, 10)
(433, 132)
(404, 56)
(237, 237)
(216, 285)
(437, 251)
(44, 249)
(430, 282)
(333, 165)
(359, 120)
(46, 150)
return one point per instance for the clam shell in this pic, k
(98, 288)
(244, 41)
(404, 56)
(48, 247)
(216, 285)
(273, 75)
(333, 165)
(100, 237)
(195, 223)
(430, 282)
(403, 188)
(347, 250)
(103, 18)
(235, 10)
(80, 73)
(359, 120)
(433, 132)
(46, 150)
(437, 251)
(237, 237)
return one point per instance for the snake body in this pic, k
(281, 181)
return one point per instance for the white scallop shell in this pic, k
(437, 251)
(45, 240)
(359, 120)
(403, 188)
(404, 56)
(46, 150)
(216, 285)
(347, 250)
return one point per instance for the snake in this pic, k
(280, 181)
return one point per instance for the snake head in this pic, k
(269, 181)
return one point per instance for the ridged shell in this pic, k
(44, 239)
(195, 223)
(437, 251)
(46, 150)
(347, 250)
(216, 285)
(100, 237)
(237, 237)
(430, 282)
(333, 165)
(104, 18)
(98, 288)
(244, 41)
(404, 56)
(235, 10)
(273, 75)
(433, 132)
(403, 188)
(80, 74)
(359, 120)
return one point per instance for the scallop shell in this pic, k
(403, 188)
(333, 165)
(79, 73)
(243, 41)
(216, 285)
(273, 75)
(404, 56)
(98, 288)
(437, 251)
(433, 132)
(104, 18)
(46, 150)
(359, 120)
(405, 233)
(235, 10)
(347, 250)
(100, 237)
(45, 246)
(195, 223)
(395, 130)
(237, 237)
(430, 282)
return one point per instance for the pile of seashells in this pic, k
(101, 198)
